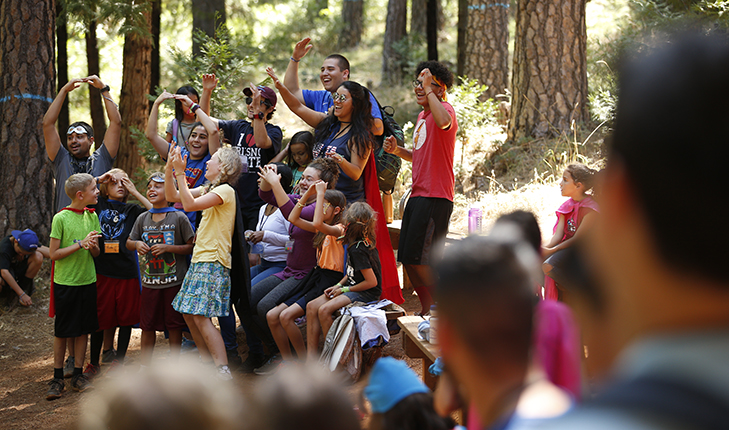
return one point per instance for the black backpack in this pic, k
(388, 165)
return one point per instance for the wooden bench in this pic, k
(416, 348)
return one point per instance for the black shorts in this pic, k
(424, 225)
(75, 310)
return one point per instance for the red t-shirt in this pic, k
(433, 150)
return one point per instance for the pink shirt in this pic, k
(433, 150)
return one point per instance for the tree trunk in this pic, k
(96, 107)
(431, 16)
(156, 20)
(133, 105)
(461, 40)
(395, 31)
(418, 20)
(487, 45)
(62, 65)
(549, 82)
(27, 77)
(352, 22)
(204, 18)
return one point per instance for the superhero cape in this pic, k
(240, 272)
(390, 280)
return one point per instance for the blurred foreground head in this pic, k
(173, 396)
(660, 244)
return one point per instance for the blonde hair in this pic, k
(77, 182)
(230, 167)
(103, 186)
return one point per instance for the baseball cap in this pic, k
(27, 239)
(266, 93)
(391, 381)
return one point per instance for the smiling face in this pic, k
(156, 193)
(309, 176)
(264, 107)
(198, 143)
(342, 104)
(213, 168)
(300, 154)
(79, 145)
(90, 194)
(421, 92)
(331, 75)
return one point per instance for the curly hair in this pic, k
(360, 220)
(582, 174)
(230, 167)
(328, 170)
(437, 69)
(187, 90)
(362, 120)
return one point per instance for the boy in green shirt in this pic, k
(74, 243)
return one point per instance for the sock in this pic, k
(122, 342)
(58, 373)
(77, 371)
(97, 342)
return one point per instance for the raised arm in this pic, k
(353, 168)
(129, 185)
(209, 82)
(310, 116)
(191, 199)
(295, 215)
(260, 134)
(281, 155)
(320, 211)
(390, 145)
(440, 115)
(113, 132)
(210, 125)
(271, 181)
(50, 133)
(158, 143)
(291, 78)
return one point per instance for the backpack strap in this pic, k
(670, 400)
(345, 259)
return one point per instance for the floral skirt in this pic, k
(205, 291)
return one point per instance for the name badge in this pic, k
(111, 246)
(289, 245)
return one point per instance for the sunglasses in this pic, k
(341, 98)
(249, 100)
(78, 130)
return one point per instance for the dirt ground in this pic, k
(26, 365)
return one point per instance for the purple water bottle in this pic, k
(474, 221)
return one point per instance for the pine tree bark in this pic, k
(549, 81)
(431, 18)
(461, 40)
(156, 22)
(352, 23)
(96, 107)
(418, 20)
(204, 18)
(487, 45)
(133, 104)
(395, 31)
(62, 64)
(27, 80)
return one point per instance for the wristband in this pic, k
(345, 290)
(294, 59)
(105, 89)
(179, 174)
(21, 296)
(428, 93)
(299, 204)
(194, 107)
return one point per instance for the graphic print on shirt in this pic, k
(112, 223)
(420, 134)
(159, 269)
(192, 174)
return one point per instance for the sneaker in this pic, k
(108, 356)
(300, 321)
(271, 366)
(252, 362)
(68, 367)
(187, 345)
(224, 373)
(56, 389)
(91, 371)
(81, 383)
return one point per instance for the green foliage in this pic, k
(129, 15)
(471, 112)
(229, 62)
(412, 49)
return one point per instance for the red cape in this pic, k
(390, 280)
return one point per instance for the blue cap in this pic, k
(27, 239)
(390, 381)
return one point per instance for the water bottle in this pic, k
(433, 334)
(474, 220)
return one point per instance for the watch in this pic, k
(260, 115)
(104, 89)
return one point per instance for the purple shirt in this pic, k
(303, 256)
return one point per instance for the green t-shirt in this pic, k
(78, 268)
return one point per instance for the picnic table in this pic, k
(416, 348)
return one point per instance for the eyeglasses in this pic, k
(341, 98)
(326, 206)
(249, 100)
(418, 83)
(77, 129)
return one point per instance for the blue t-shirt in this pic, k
(321, 101)
(240, 134)
(352, 190)
(195, 175)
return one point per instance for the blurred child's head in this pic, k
(198, 143)
(114, 189)
(301, 149)
(190, 92)
(334, 205)
(156, 189)
(360, 220)
(527, 224)
(286, 176)
(82, 187)
(324, 169)
(303, 398)
(224, 167)
(399, 400)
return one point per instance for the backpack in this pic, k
(342, 350)
(388, 165)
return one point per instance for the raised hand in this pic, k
(301, 48)
(209, 81)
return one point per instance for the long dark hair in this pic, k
(186, 90)
(305, 138)
(337, 200)
(362, 139)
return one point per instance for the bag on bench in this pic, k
(342, 350)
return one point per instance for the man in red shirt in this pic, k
(428, 212)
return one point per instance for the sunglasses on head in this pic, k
(341, 98)
(249, 100)
(77, 129)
